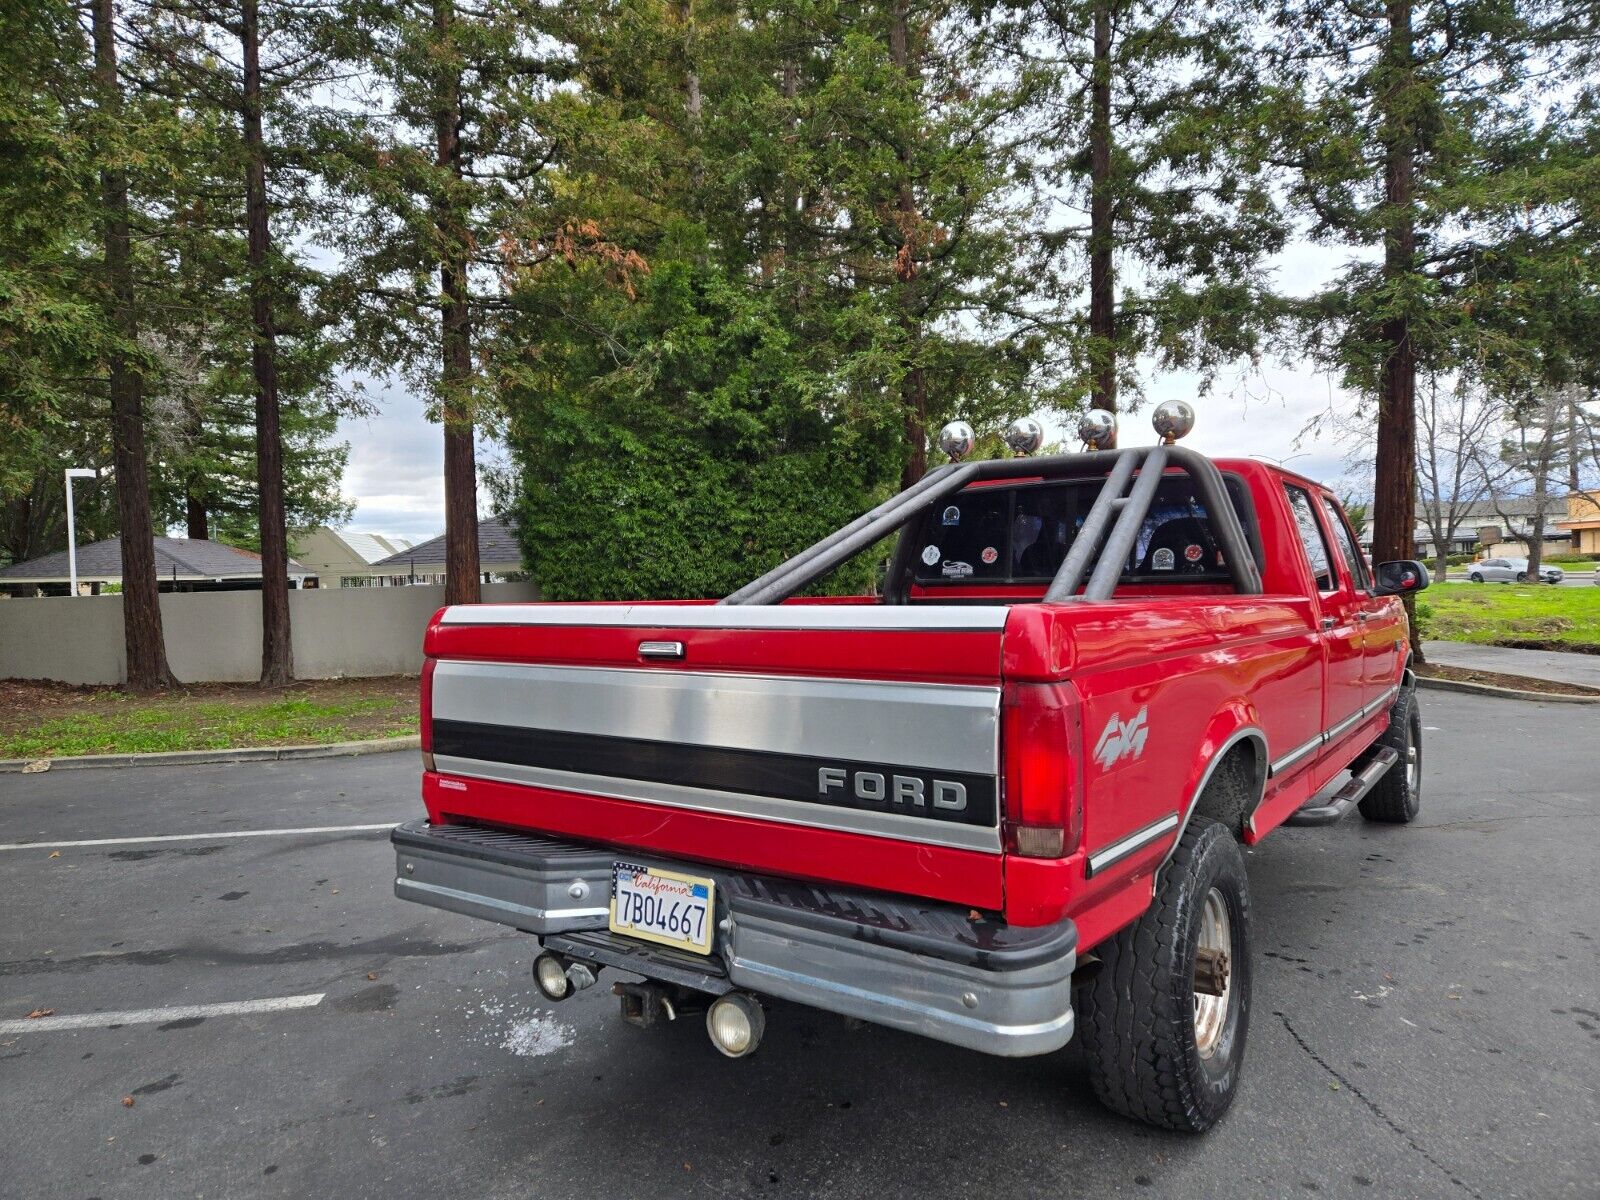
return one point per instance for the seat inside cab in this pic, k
(1006, 540)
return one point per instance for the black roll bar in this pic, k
(1130, 510)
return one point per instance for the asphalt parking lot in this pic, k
(1427, 1016)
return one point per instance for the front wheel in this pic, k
(1522, 577)
(1163, 1022)
(1396, 798)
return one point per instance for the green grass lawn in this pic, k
(44, 721)
(1512, 614)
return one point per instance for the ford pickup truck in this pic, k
(999, 803)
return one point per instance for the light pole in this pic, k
(72, 524)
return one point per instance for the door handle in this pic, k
(1328, 623)
(1362, 615)
(660, 649)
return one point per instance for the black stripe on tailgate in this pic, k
(950, 796)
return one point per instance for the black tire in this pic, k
(1138, 1015)
(1475, 577)
(1395, 799)
(1522, 577)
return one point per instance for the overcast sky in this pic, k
(395, 473)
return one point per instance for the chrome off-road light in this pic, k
(1024, 436)
(1097, 429)
(956, 439)
(550, 973)
(1173, 419)
(735, 1023)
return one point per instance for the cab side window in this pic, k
(1348, 550)
(1316, 546)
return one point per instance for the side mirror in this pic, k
(1399, 578)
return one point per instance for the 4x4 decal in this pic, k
(1122, 739)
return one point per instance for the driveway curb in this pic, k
(179, 758)
(1485, 689)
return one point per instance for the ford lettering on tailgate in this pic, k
(946, 796)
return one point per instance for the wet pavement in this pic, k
(1427, 1017)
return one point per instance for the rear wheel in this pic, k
(1522, 577)
(1163, 1022)
(1395, 798)
(1476, 577)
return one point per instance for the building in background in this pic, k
(1503, 528)
(338, 555)
(1583, 522)
(182, 565)
(499, 560)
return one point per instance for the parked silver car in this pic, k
(1511, 570)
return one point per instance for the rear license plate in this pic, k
(663, 906)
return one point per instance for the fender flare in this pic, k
(1236, 722)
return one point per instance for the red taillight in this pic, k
(426, 709)
(1038, 732)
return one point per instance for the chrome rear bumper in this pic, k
(920, 967)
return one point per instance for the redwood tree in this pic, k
(1418, 135)
(277, 650)
(433, 183)
(461, 578)
(141, 601)
(1165, 219)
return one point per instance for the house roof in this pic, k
(176, 558)
(371, 547)
(496, 547)
(1512, 514)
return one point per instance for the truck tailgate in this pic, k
(850, 743)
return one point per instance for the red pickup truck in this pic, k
(998, 804)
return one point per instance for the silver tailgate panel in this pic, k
(935, 727)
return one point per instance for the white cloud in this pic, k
(396, 470)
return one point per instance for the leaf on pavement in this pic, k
(37, 767)
(40, 1012)
(127, 1102)
(55, 854)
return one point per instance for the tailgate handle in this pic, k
(660, 649)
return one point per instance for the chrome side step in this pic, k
(1346, 798)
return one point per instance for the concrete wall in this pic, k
(215, 637)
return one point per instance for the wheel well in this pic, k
(1234, 785)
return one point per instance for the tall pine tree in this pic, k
(1166, 219)
(1418, 139)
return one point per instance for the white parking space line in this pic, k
(222, 835)
(155, 1016)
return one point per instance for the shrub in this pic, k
(1424, 622)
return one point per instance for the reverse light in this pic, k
(735, 1023)
(1039, 723)
(550, 973)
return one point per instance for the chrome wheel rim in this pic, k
(1211, 1012)
(1413, 767)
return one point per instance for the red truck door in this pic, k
(1381, 636)
(1341, 623)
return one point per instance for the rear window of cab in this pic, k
(1021, 533)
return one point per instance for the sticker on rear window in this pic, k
(957, 570)
(989, 555)
(1192, 552)
(952, 516)
(1162, 560)
(930, 555)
